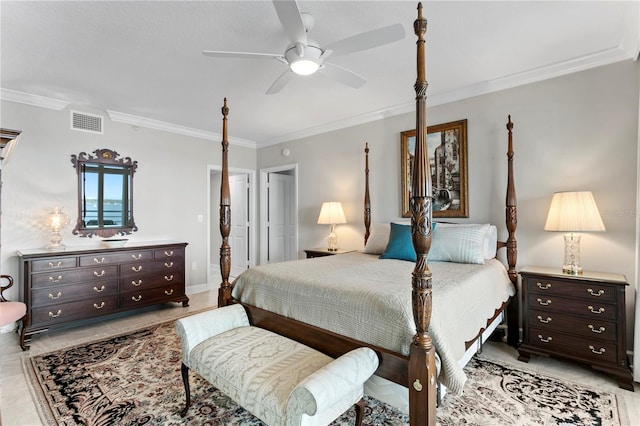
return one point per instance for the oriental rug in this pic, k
(135, 379)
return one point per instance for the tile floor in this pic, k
(17, 407)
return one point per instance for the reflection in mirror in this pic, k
(105, 194)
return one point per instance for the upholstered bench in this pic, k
(280, 381)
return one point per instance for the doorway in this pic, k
(243, 234)
(279, 214)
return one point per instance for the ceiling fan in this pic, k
(305, 56)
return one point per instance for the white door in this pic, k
(239, 235)
(282, 218)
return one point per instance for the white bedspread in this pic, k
(369, 299)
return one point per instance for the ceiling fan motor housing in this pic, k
(304, 60)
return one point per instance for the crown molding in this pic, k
(35, 100)
(149, 123)
(631, 30)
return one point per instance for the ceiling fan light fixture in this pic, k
(304, 60)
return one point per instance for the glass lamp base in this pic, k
(572, 255)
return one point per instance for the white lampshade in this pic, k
(331, 213)
(574, 212)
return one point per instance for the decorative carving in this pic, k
(224, 292)
(367, 199)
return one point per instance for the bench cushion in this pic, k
(256, 368)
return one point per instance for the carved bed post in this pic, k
(511, 215)
(422, 367)
(367, 199)
(224, 292)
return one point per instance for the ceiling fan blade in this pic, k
(280, 82)
(367, 40)
(343, 75)
(247, 55)
(291, 20)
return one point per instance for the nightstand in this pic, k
(321, 252)
(577, 317)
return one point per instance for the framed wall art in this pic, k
(447, 148)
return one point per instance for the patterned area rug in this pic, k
(135, 380)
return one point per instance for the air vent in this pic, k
(86, 122)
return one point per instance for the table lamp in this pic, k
(331, 213)
(573, 212)
(56, 220)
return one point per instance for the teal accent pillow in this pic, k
(400, 245)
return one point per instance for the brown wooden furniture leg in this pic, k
(359, 412)
(185, 379)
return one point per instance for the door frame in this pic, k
(264, 211)
(253, 232)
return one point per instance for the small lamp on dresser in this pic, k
(55, 221)
(331, 213)
(573, 212)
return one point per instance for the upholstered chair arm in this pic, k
(197, 328)
(330, 391)
(3, 287)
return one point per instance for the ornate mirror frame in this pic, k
(104, 162)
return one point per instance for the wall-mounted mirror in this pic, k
(105, 194)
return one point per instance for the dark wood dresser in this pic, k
(578, 317)
(78, 283)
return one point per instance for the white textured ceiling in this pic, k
(142, 60)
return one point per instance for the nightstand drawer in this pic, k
(591, 291)
(596, 329)
(584, 308)
(591, 349)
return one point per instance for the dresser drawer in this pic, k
(591, 291)
(146, 268)
(53, 264)
(585, 308)
(160, 280)
(170, 252)
(67, 293)
(597, 328)
(69, 276)
(149, 296)
(119, 257)
(64, 312)
(588, 349)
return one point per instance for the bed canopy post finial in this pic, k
(224, 292)
(367, 198)
(511, 215)
(422, 368)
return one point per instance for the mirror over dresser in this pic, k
(61, 287)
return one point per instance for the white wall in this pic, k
(170, 185)
(571, 133)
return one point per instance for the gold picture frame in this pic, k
(447, 149)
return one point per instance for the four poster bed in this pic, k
(337, 303)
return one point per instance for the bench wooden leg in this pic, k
(359, 412)
(185, 379)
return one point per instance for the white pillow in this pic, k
(491, 242)
(378, 238)
(461, 243)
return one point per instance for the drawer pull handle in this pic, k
(55, 280)
(544, 321)
(56, 315)
(96, 260)
(168, 292)
(137, 284)
(100, 306)
(136, 256)
(597, 352)
(594, 311)
(545, 340)
(599, 330)
(543, 286)
(543, 303)
(136, 268)
(55, 265)
(168, 253)
(52, 297)
(99, 274)
(169, 264)
(593, 293)
(136, 299)
(98, 290)
(168, 278)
